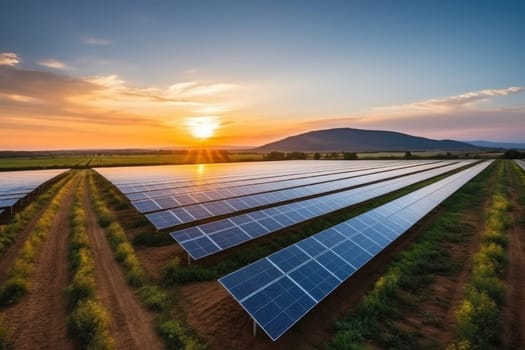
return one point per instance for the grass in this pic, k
(374, 319)
(17, 283)
(173, 331)
(5, 336)
(9, 232)
(89, 319)
(479, 323)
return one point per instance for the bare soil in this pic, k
(39, 321)
(131, 326)
(514, 310)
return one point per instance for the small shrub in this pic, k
(89, 322)
(153, 297)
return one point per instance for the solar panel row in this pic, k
(15, 185)
(172, 198)
(521, 163)
(205, 210)
(280, 289)
(206, 239)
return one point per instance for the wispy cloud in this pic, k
(55, 64)
(466, 99)
(459, 116)
(9, 59)
(91, 40)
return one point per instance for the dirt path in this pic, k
(514, 312)
(131, 326)
(39, 321)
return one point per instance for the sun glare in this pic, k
(202, 127)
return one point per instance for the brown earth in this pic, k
(514, 310)
(39, 321)
(131, 326)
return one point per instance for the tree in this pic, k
(317, 156)
(349, 155)
(275, 156)
(408, 154)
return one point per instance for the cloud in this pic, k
(55, 64)
(466, 99)
(459, 116)
(9, 59)
(97, 41)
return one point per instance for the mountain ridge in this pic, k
(361, 140)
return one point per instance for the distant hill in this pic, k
(358, 140)
(504, 145)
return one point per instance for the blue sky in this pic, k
(308, 63)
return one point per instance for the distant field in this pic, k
(86, 161)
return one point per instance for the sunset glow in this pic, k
(161, 79)
(202, 127)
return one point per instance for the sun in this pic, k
(202, 127)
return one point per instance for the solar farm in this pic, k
(266, 255)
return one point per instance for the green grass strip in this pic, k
(175, 334)
(479, 323)
(17, 283)
(373, 319)
(9, 232)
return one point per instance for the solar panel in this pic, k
(183, 215)
(15, 185)
(277, 291)
(168, 199)
(279, 217)
(521, 163)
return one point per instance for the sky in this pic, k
(120, 74)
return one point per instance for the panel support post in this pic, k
(254, 328)
(189, 259)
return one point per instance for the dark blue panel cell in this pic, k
(230, 237)
(280, 324)
(198, 211)
(311, 246)
(163, 219)
(146, 206)
(313, 278)
(336, 265)
(237, 203)
(283, 219)
(375, 236)
(254, 229)
(372, 247)
(166, 202)
(329, 237)
(288, 258)
(200, 197)
(249, 279)
(216, 226)
(295, 216)
(218, 208)
(183, 215)
(188, 233)
(241, 219)
(185, 199)
(252, 201)
(257, 215)
(200, 247)
(352, 253)
(270, 224)
(385, 230)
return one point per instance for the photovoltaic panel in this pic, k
(168, 199)
(277, 291)
(184, 215)
(521, 163)
(245, 227)
(15, 185)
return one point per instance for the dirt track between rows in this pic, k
(39, 321)
(131, 326)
